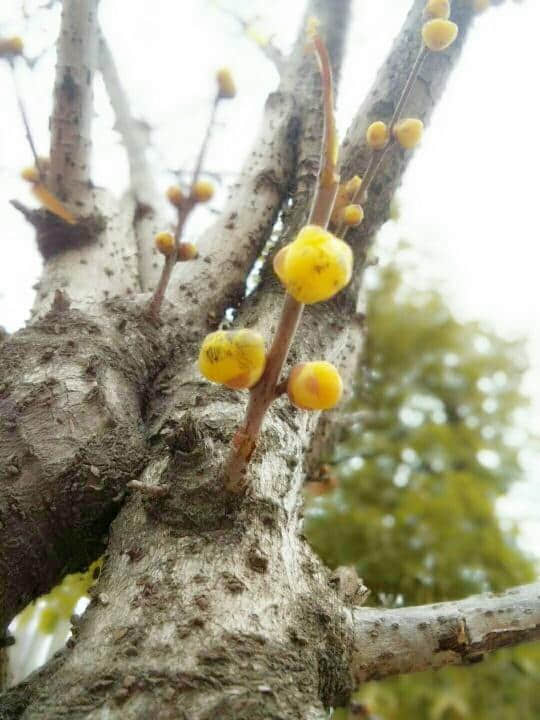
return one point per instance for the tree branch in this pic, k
(71, 117)
(406, 640)
(230, 247)
(381, 104)
(150, 207)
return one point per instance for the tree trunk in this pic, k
(209, 605)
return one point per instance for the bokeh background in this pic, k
(435, 485)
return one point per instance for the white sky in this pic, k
(468, 199)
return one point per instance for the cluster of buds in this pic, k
(317, 264)
(166, 245)
(313, 268)
(345, 210)
(184, 199)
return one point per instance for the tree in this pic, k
(414, 510)
(211, 603)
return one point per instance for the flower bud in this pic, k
(226, 86)
(203, 191)
(235, 358)
(409, 132)
(353, 215)
(187, 251)
(437, 9)
(439, 34)
(315, 386)
(30, 174)
(175, 195)
(377, 135)
(11, 46)
(165, 243)
(353, 186)
(316, 266)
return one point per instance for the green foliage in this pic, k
(434, 444)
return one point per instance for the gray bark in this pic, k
(209, 606)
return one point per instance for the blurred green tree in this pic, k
(433, 443)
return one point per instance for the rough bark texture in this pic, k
(71, 119)
(210, 606)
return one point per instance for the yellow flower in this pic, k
(203, 190)
(438, 9)
(316, 266)
(377, 135)
(315, 386)
(164, 242)
(439, 34)
(235, 358)
(225, 81)
(409, 132)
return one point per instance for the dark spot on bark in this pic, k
(69, 86)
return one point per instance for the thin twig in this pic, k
(377, 156)
(268, 48)
(206, 141)
(154, 306)
(24, 117)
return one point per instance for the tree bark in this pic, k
(209, 605)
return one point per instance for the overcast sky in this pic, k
(469, 199)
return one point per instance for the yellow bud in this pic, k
(480, 5)
(235, 358)
(377, 135)
(164, 242)
(409, 132)
(353, 215)
(187, 251)
(203, 190)
(312, 27)
(30, 174)
(439, 34)
(175, 196)
(316, 266)
(226, 86)
(11, 46)
(353, 186)
(437, 9)
(315, 386)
